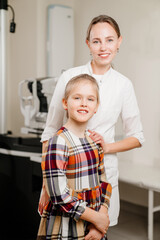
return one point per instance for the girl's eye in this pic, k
(91, 99)
(77, 98)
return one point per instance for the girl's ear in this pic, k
(64, 103)
(87, 42)
(96, 108)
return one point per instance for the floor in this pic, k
(132, 227)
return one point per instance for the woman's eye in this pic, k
(110, 40)
(96, 41)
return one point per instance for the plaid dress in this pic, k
(74, 177)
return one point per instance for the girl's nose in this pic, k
(84, 103)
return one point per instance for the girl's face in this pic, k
(103, 44)
(82, 102)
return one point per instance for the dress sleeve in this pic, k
(106, 187)
(130, 114)
(56, 112)
(54, 175)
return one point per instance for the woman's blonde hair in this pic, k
(80, 78)
(102, 19)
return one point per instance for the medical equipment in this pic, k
(60, 57)
(35, 96)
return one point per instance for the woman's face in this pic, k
(103, 44)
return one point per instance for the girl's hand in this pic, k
(101, 223)
(93, 233)
(97, 138)
(104, 210)
(44, 198)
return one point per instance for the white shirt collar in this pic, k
(98, 76)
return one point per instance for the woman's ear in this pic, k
(119, 41)
(64, 103)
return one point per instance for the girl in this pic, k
(117, 99)
(73, 171)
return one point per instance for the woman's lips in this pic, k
(104, 55)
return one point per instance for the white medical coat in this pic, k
(117, 98)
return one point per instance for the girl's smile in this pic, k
(81, 103)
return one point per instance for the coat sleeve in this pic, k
(130, 114)
(106, 187)
(54, 166)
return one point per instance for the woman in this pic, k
(117, 98)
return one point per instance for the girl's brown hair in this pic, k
(102, 19)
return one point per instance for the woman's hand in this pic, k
(98, 139)
(115, 147)
(44, 198)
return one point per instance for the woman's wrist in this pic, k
(106, 148)
(121, 146)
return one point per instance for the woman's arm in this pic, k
(120, 146)
(132, 126)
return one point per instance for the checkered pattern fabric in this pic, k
(74, 177)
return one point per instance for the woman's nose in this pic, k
(103, 46)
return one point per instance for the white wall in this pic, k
(138, 59)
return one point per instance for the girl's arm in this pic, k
(54, 177)
(94, 233)
(98, 219)
(106, 187)
(44, 198)
(105, 199)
